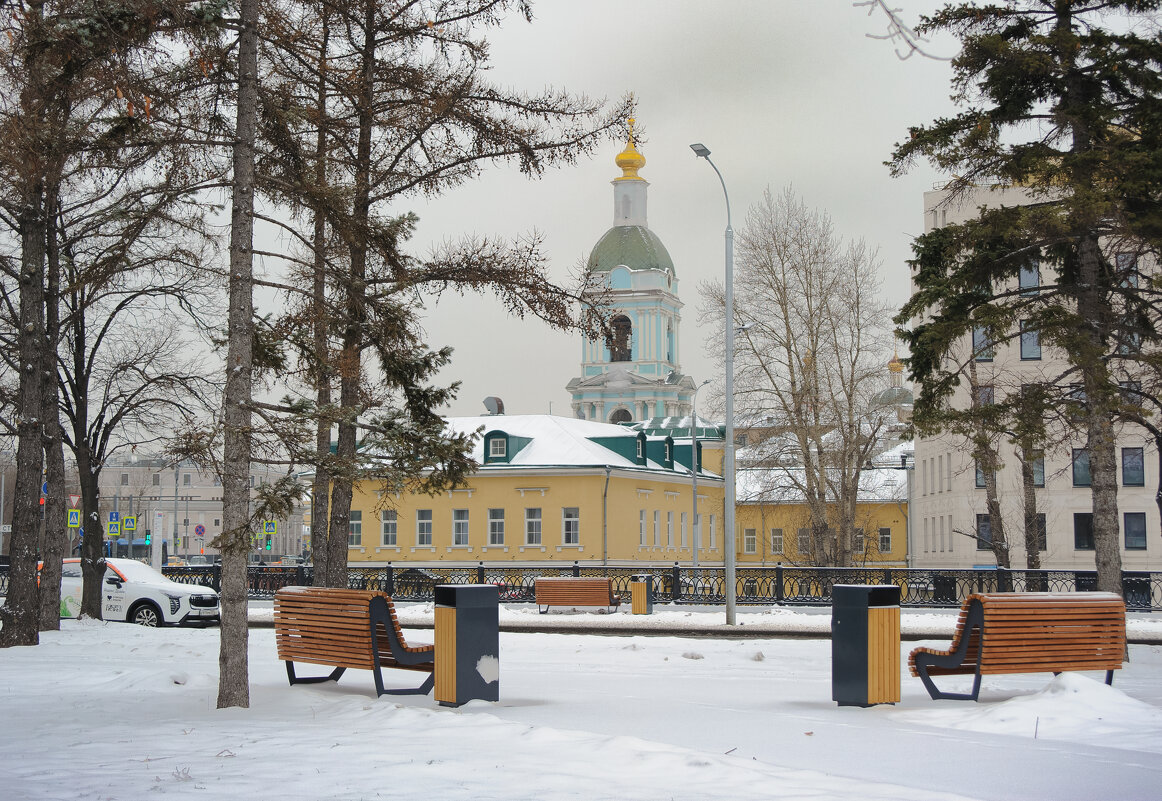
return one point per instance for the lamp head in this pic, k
(700, 150)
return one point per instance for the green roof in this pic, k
(635, 246)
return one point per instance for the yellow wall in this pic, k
(630, 493)
(791, 517)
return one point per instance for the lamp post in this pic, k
(703, 152)
(694, 467)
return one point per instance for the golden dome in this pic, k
(895, 365)
(630, 160)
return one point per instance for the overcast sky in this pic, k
(783, 92)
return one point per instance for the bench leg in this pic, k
(973, 621)
(1110, 677)
(423, 689)
(290, 674)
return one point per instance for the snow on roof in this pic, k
(785, 485)
(554, 442)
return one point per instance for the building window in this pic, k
(423, 527)
(984, 533)
(125, 479)
(657, 529)
(496, 527)
(620, 342)
(804, 543)
(669, 529)
(497, 448)
(1042, 540)
(639, 448)
(749, 541)
(641, 528)
(571, 525)
(1038, 464)
(387, 524)
(685, 537)
(885, 540)
(460, 526)
(857, 543)
(985, 395)
(533, 526)
(713, 545)
(1081, 467)
(982, 347)
(1135, 525)
(1029, 278)
(981, 478)
(157, 479)
(1030, 341)
(1133, 467)
(1083, 531)
(185, 479)
(776, 540)
(355, 529)
(1131, 392)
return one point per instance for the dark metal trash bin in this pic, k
(865, 644)
(467, 643)
(641, 591)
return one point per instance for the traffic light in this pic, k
(269, 542)
(148, 537)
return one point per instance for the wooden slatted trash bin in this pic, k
(467, 643)
(641, 591)
(865, 644)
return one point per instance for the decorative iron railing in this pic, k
(801, 586)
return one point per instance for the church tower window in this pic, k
(620, 416)
(621, 339)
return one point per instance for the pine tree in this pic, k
(1063, 99)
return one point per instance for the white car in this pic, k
(135, 592)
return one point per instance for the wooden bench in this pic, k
(346, 629)
(1028, 632)
(575, 592)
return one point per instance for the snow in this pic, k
(119, 712)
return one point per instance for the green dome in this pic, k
(635, 246)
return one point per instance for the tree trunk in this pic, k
(234, 541)
(1032, 528)
(55, 522)
(321, 488)
(93, 545)
(21, 613)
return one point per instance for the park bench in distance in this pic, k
(1028, 632)
(346, 629)
(575, 592)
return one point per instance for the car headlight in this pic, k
(175, 602)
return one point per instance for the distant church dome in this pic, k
(635, 246)
(630, 242)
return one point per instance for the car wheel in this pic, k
(145, 615)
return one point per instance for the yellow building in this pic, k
(774, 522)
(552, 489)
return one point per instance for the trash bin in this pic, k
(467, 643)
(641, 593)
(865, 644)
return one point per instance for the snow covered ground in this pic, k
(120, 713)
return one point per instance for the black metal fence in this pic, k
(801, 586)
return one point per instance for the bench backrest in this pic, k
(575, 589)
(1042, 631)
(325, 625)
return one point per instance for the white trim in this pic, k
(523, 490)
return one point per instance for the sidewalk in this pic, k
(702, 621)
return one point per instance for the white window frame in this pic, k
(750, 540)
(423, 528)
(533, 520)
(885, 539)
(657, 528)
(355, 529)
(669, 529)
(389, 527)
(459, 527)
(570, 525)
(776, 540)
(496, 527)
(497, 448)
(685, 533)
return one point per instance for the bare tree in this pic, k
(810, 358)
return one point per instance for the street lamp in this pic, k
(694, 465)
(703, 152)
